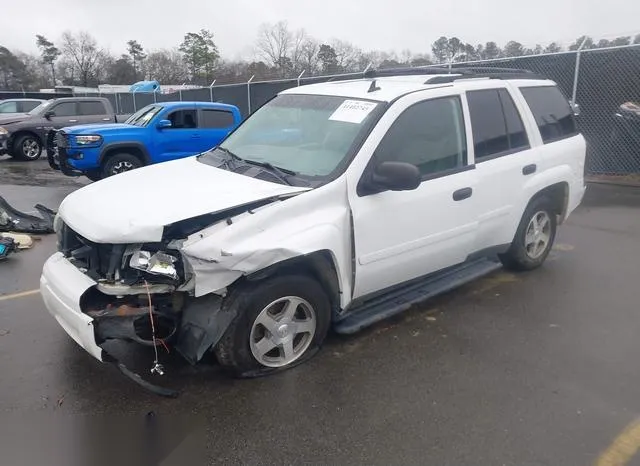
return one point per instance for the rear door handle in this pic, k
(106, 119)
(529, 169)
(461, 194)
(73, 121)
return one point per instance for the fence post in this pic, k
(155, 96)
(249, 93)
(577, 72)
(211, 90)
(180, 91)
(300, 77)
(134, 102)
(366, 69)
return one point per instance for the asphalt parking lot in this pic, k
(515, 369)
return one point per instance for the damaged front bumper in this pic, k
(62, 286)
(82, 310)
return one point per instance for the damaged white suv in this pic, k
(334, 205)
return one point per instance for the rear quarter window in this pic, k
(551, 111)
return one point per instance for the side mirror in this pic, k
(394, 176)
(49, 113)
(163, 124)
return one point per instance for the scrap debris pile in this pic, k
(16, 227)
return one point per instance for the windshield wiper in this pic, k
(230, 154)
(281, 173)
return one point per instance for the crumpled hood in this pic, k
(100, 129)
(13, 118)
(134, 207)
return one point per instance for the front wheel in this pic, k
(27, 147)
(534, 237)
(120, 163)
(280, 323)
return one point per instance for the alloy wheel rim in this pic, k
(30, 148)
(283, 331)
(538, 235)
(122, 167)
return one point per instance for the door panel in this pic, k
(66, 114)
(400, 236)
(181, 139)
(502, 151)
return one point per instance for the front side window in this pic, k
(551, 111)
(64, 109)
(310, 135)
(9, 107)
(429, 135)
(183, 119)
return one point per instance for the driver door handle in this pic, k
(73, 121)
(461, 194)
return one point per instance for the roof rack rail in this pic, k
(454, 74)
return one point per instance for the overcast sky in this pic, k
(369, 24)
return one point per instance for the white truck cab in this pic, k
(334, 205)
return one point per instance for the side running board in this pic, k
(400, 300)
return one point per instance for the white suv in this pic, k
(334, 205)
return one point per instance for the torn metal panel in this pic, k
(13, 220)
(204, 322)
(222, 253)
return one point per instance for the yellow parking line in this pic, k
(623, 448)
(22, 294)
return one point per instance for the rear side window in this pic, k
(91, 108)
(496, 124)
(216, 119)
(28, 105)
(552, 112)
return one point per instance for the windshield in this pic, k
(306, 134)
(143, 116)
(40, 109)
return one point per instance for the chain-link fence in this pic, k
(604, 82)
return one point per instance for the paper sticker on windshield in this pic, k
(353, 111)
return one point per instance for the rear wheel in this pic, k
(280, 323)
(27, 147)
(120, 163)
(534, 237)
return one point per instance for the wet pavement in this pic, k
(516, 369)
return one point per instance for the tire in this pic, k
(244, 348)
(527, 252)
(120, 163)
(27, 147)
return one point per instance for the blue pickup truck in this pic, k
(156, 133)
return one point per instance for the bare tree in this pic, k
(309, 57)
(347, 55)
(274, 44)
(83, 49)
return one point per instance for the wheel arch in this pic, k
(134, 148)
(25, 132)
(558, 194)
(320, 265)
